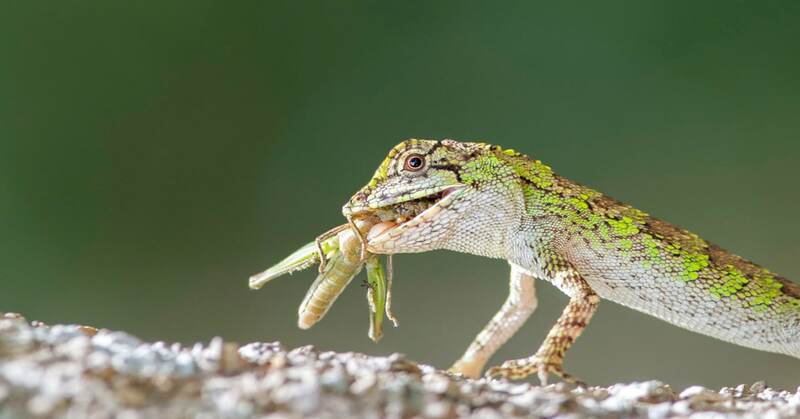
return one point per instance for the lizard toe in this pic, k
(521, 368)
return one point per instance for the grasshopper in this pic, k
(341, 253)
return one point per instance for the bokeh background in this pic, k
(153, 155)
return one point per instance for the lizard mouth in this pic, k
(396, 218)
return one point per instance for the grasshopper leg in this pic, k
(323, 237)
(362, 241)
(389, 276)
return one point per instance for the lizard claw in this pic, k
(466, 368)
(521, 368)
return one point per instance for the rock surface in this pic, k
(78, 372)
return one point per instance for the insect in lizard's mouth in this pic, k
(396, 217)
(405, 211)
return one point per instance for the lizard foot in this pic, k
(466, 368)
(521, 368)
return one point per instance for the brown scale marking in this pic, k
(720, 258)
(607, 206)
(575, 323)
(470, 149)
(672, 234)
(789, 288)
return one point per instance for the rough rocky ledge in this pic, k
(78, 372)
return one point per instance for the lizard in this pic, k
(482, 199)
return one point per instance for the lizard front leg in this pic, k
(519, 305)
(550, 356)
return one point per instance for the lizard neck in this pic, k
(489, 220)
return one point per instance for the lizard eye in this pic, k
(414, 163)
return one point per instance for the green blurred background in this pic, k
(153, 155)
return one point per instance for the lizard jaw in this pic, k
(363, 205)
(390, 234)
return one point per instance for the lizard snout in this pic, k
(356, 204)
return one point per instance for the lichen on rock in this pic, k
(79, 371)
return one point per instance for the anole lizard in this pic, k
(489, 201)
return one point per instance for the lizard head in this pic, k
(425, 190)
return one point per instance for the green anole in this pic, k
(489, 201)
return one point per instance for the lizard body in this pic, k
(484, 200)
